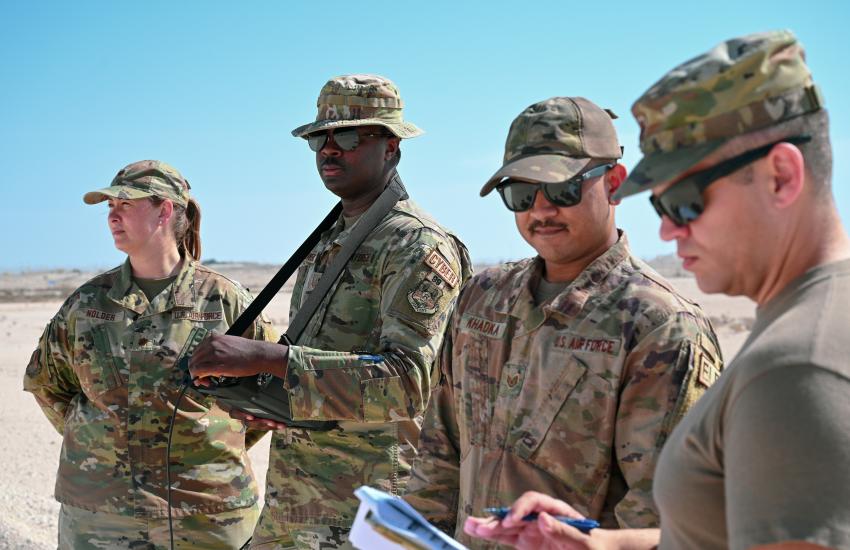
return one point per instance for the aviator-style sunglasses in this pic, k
(519, 196)
(347, 139)
(683, 202)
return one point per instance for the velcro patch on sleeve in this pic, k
(441, 267)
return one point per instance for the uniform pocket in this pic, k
(99, 369)
(384, 400)
(572, 435)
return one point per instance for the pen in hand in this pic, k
(583, 525)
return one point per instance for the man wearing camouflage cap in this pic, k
(565, 372)
(364, 361)
(738, 159)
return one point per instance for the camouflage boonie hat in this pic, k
(141, 179)
(740, 86)
(359, 100)
(553, 140)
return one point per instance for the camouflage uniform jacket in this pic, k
(573, 399)
(104, 374)
(365, 360)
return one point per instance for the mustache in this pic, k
(535, 225)
(331, 162)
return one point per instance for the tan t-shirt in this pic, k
(764, 456)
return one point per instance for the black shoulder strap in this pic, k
(394, 192)
(243, 322)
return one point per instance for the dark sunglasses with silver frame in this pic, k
(682, 202)
(519, 195)
(346, 138)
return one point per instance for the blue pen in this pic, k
(583, 525)
(373, 358)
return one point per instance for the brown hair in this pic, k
(186, 224)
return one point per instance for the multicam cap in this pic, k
(144, 178)
(553, 140)
(359, 100)
(740, 86)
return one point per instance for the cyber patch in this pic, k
(425, 297)
(443, 268)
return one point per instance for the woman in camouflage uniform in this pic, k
(105, 374)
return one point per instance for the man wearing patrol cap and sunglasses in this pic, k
(738, 159)
(362, 366)
(565, 372)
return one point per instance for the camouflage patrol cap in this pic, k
(553, 140)
(740, 86)
(359, 100)
(145, 178)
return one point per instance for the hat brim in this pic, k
(661, 167)
(537, 168)
(403, 130)
(114, 192)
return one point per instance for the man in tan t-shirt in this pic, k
(738, 158)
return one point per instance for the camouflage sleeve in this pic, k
(261, 329)
(419, 283)
(662, 381)
(49, 375)
(434, 485)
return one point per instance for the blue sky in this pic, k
(214, 88)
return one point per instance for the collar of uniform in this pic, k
(183, 289)
(520, 302)
(342, 231)
(589, 281)
(124, 293)
(130, 296)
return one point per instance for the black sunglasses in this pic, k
(519, 196)
(683, 202)
(347, 139)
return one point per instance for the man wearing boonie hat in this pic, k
(365, 359)
(565, 372)
(738, 159)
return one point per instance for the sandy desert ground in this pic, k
(30, 451)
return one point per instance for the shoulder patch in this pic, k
(441, 267)
(425, 297)
(706, 364)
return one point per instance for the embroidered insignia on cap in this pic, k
(441, 267)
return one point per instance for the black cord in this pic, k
(183, 389)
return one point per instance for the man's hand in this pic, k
(222, 355)
(546, 533)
